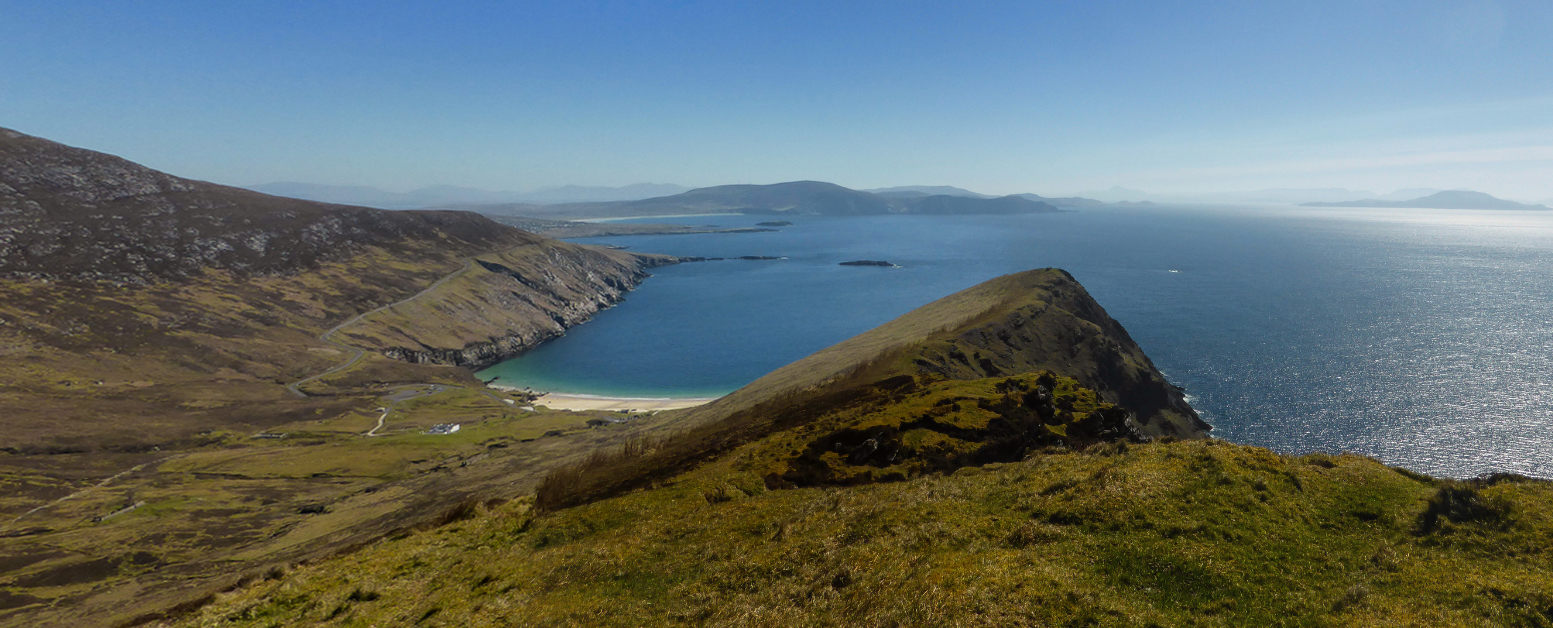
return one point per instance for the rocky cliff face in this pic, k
(506, 304)
(1057, 326)
(74, 214)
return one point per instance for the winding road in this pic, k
(356, 353)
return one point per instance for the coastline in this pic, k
(562, 401)
(580, 401)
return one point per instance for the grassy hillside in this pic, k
(1190, 533)
(149, 327)
(887, 482)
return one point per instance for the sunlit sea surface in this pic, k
(1421, 337)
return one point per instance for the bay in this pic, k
(1421, 337)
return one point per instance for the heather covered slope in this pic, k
(150, 327)
(133, 296)
(1198, 533)
(71, 213)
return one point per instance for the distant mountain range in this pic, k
(918, 191)
(650, 199)
(452, 195)
(914, 191)
(792, 198)
(1451, 199)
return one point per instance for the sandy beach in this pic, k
(558, 401)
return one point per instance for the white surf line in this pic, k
(357, 354)
(92, 487)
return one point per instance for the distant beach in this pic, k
(560, 401)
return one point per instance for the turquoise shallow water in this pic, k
(1421, 337)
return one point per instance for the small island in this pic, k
(774, 223)
(869, 262)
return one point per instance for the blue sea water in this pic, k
(1421, 337)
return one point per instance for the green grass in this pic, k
(1169, 534)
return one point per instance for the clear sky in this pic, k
(1001, 97)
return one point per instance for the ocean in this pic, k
(1423, 338)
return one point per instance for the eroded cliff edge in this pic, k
(504, 304)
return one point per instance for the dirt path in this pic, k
(93, 487)
(357, 354)
(406, 393)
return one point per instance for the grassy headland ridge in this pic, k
(899, 479)
(1018, 323)
(1034, 321)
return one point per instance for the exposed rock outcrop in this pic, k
(506, 304)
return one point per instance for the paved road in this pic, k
(357, 354)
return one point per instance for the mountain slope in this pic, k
(68, 213)
(446, 195)
(1452, 199)
(105, 263)
(150, 326)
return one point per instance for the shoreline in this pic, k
(582, 401)
(563, 401)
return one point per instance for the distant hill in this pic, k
(600, 194)
(792, 198)
(1290, 195)
(1453, 199)
(451, 195)
(1405, 194)
(914, 191)
(944, 204)
(1065, 201)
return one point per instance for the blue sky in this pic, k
(1002, 97)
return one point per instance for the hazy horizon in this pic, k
(1116, 193)
(1064, 98)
